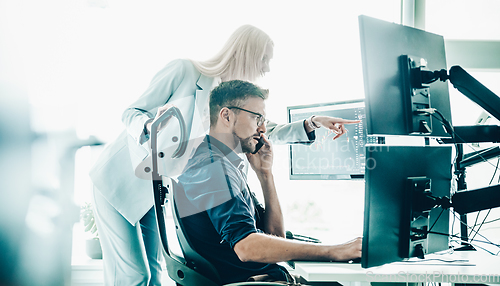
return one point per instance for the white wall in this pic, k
(85, 64)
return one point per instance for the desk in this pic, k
(473, 267)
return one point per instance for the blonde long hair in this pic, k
(241, 56)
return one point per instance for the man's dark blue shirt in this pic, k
(220, 211)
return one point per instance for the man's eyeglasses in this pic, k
(260, 118)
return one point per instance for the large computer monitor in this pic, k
(400, 220)
(327, 159)
(393, 97)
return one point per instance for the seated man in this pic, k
(220, 217)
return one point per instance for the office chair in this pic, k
(192, 269)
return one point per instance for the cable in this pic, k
(442, 210)
(450, 130)
(493, 220)
(445, 122)
(493, 177)
(488, 241)
(447, 125)
(437, 259)
(474, 225)
(486, 216)
(453, 227)
(459, 239)
(481, 225)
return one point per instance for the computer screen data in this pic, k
(328, 159)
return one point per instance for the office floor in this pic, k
(88, 272)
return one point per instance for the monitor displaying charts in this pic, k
(328, 159)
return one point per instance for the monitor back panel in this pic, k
(388, 168)
(382, 46)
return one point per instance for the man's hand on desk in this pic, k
(259, 247)
(346, 251)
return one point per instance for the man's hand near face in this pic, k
(262, 161)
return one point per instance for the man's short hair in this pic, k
(233, 93)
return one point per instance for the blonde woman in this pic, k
(123, 201)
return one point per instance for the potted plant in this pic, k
(92, 244)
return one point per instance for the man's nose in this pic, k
(262, 128)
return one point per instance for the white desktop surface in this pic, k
(479, 268)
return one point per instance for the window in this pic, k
(463, 19)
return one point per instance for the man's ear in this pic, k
(225, 116)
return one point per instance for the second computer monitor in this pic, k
(328, 159)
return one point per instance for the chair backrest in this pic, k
(193, 258)
(178, 268)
